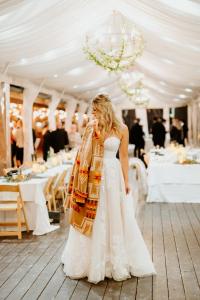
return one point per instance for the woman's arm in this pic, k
(123, 155)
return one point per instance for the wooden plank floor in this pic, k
(31, 269)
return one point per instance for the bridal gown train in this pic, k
(116, 248)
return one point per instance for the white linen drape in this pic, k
(166, 117)
(194, 122)
(189, 110)
(7, 121)
(82, 109)
(5, 148)
(142, 114)
(70, 110)
(29, 96)
(52, 108)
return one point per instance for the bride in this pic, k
(104, 238)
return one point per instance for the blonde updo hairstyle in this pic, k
(107, 120)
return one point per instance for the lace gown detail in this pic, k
(116, 248)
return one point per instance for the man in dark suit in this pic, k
(137, 137)
(59, 138)
(184, 133)
(158, 132)
(46, 141)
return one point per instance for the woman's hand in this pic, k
(95, 124)
(127, 187)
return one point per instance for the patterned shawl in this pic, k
(84, 185)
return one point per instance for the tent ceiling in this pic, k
(44, 41)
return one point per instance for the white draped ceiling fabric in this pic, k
(141, 113)
(82, 109)
(55, 100)
(70, 110)
(5, 126)
(45, 40)
(30, 94)
(166, 117)
(194, 121)
(6, 92)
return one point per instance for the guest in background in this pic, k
(163, 132)
(59, 138)
(184, 133)
(46, 141)
(19, 137)
(154, 131)
(158, 132)
(34, 138)
(176, 131)
(137, 137)
(74, 137)
(13, 143)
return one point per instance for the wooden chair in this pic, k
(16, 205)
(52, 191)
(141, 176)
(66, 202)
(48, 192)
(60, 188)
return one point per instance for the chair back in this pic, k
(47, 188)
(16, 205)
(61, 180)
(55, 181)
(10, 188)
(141, 173)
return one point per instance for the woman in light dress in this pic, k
(109, 244)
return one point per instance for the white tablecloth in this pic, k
(34, 200)
(171, 182)
(57, 170)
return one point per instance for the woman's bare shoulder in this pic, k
(124, 127)
(123, 130)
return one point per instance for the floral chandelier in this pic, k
(117, 47)
(132, 85)
(129, 81)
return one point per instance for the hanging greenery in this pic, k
(136, 93)
(116, 49)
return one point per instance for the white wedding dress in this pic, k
(116, 248)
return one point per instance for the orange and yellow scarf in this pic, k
(84, 184)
